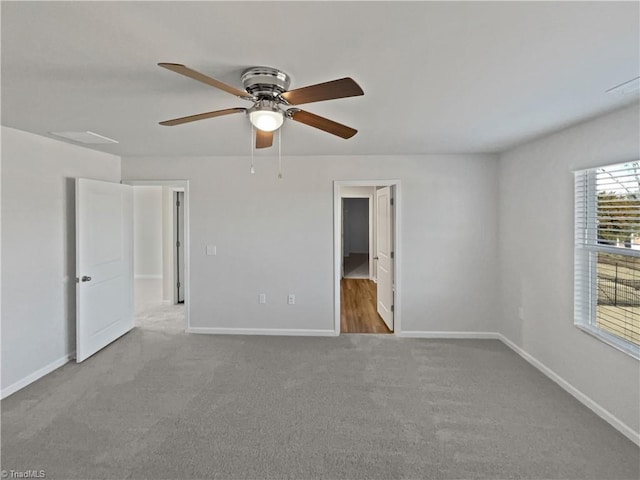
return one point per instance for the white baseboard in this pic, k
(36, 375)
(450, 335)
(599, 410)
(262, 331)
(140, 276)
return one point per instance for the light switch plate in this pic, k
(211, 249)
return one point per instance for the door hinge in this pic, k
(178, 243)
(178, 284)
(392, 202)
(392, 255)
(392, 308)
(177, 203)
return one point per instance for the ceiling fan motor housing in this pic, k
(266, 82)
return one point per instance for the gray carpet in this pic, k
(163, 404)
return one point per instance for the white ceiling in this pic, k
(438, 77)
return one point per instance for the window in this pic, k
(607, 254)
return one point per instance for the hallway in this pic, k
(358, 313)
(356, 265)
(151, 313)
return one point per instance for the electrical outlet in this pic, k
(291, 300)
(262, 298)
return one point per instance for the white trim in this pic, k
(337, 247)
(596, 408)
(627, 252)
(182, 185)
(29, 379)
(450, 335)
(142, 276)
(616, 163)
(297, 332)
(620, 344)
(371, 253)
(152, 183)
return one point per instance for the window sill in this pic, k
(611, 340)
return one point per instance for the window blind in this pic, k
(607, 252)
(608, 205)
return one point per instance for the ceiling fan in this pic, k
(267, 88)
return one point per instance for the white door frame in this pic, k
(174, 235)
(369, 233)
(184, 184)
(337, 246)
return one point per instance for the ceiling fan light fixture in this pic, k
(268, 89)
(266, 120)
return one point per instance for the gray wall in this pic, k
(276, 236)
(38, 248)
(536, 258)
(167, 245)
(148, 231)
(364, 191)
(357, 227)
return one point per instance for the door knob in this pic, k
(86, 279)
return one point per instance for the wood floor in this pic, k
(358, 312)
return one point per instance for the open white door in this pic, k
(384, 254)
(104, 264)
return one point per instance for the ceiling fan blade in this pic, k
(322, 123)
(202, 116)
(187, 72)
(345, 87)
(263, 139)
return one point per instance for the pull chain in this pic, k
(280, 153)
(253, 170)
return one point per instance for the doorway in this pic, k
(357, 228)
(161, 254)
(147, 245)
(366, 231)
